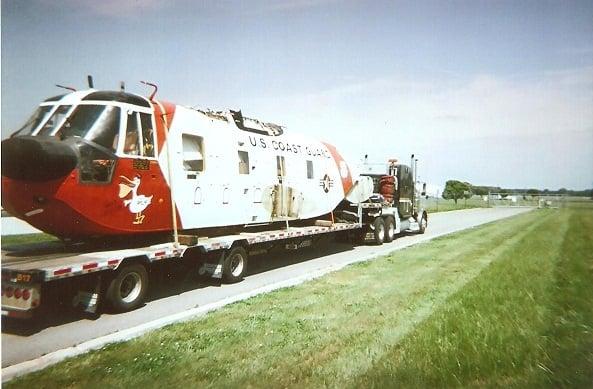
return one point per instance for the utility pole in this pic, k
(438, 200)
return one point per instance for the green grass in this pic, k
(527, 321)
(11, 240)
(506, 304)
(433, 204)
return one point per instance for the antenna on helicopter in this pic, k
(66, 87)
(89, 78)
(156, 88)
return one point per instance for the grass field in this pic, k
(433, 204)
(506, 304)
(10, 240)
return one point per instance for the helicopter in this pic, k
(94, 163)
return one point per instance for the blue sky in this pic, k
(495, 93)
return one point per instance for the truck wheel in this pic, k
(234, 266)
(389, 229)
(423, 223)
(128, 289)
(379, 232)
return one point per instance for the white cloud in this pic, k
(469, 129)
(483, 106)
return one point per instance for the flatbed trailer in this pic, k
(120, 276)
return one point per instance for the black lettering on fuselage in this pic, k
(289, 147)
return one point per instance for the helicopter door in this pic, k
(191, 191)
(247, 188)
(287, 200)
(279, 202)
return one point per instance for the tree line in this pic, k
(456, 190)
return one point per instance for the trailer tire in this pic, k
(128, 288)
(423, 223)
(389, 229)
(234, 266)
(379, 231)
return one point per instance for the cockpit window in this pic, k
(106, 128)
(139, 132)
(147, 134)
(36, 118)
(132, 140)
(55, 120)
(96, 123)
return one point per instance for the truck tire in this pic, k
(128, 288)
(423, 223)
(234, 266)
(389, 229)
(379, 231)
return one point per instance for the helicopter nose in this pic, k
(32, 158)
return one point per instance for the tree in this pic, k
(457, 190)
(480, 190)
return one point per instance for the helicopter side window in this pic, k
(55, 119)
(139, 138)
(132, 140)
(309, 169)
(193, 153)
(243, 162)
(36, 118)
(147, 135)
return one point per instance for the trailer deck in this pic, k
(19, 267)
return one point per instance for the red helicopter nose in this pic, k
(34, 158)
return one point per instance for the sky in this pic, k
(493, 93)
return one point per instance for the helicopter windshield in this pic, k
(36, 118)
(96, 123)
(56, 118)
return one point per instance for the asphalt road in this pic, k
(171, 294)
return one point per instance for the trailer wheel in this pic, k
(423, 223)
(127, 290)
(379, 230)
(235, 265)
(389, 229)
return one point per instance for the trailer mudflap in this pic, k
(211, 268)
(88, 301)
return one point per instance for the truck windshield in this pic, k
(96, 123)
(36, 118)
